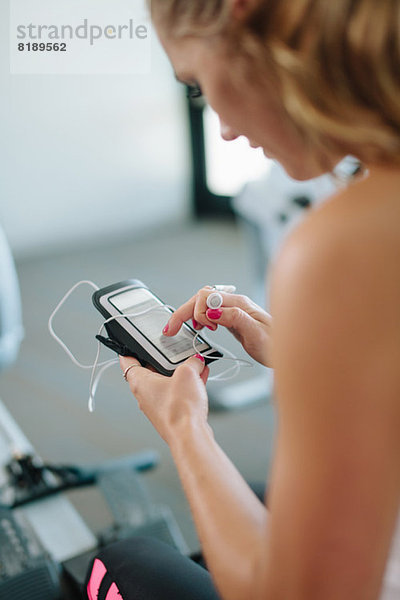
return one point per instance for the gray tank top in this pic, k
(391, 582)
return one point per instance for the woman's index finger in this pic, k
(179, 316)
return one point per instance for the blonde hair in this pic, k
(337, 63)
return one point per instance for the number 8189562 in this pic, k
(42, 47)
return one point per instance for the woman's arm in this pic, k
(335, 485)
(230, 520)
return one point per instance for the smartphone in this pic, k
(140, 335)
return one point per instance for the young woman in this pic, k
(309, 81)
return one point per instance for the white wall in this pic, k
(88, 156)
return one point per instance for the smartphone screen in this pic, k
(150, 325)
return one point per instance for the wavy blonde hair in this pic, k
(337, 63)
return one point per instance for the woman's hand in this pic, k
(170, 402)
(249, 323)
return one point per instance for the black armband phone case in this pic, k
(126, 340)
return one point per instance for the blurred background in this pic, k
(110, 177)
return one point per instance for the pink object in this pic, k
(214, 314)
(200, 357)
(113, 593)
(165, 330)
(97, 576)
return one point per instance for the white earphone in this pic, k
(215, 299)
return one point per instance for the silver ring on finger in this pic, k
(128, 369)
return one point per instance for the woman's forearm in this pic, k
(230, 519)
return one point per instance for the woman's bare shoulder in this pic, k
(336, 284)
(355, 231)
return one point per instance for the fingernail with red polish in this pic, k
(165, 330)
(195, 324)
(200, 357)
(214, 314)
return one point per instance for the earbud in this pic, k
(214, 300)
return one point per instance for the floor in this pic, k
(48, 395)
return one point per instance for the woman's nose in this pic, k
(228, 133)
